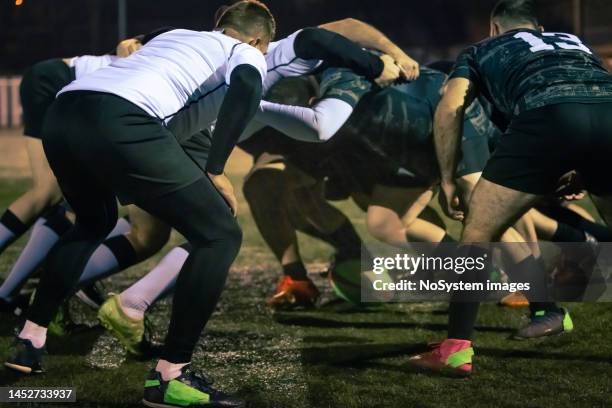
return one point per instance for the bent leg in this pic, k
(199, 213)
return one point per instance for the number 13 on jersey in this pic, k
(559, 40)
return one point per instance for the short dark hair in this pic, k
(250, 17)
(295, 91)
(512, 12)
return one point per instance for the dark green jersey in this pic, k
(526, 69)
(401, 113)
(395, 124)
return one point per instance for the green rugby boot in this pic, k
(190, 389)
(128, 331)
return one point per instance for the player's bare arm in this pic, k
(448, 126)
(369, 36)
(339, 51)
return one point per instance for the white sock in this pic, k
(168, 370)
(122, 227)
(35, 333)
(101, 264)
(136, 299)
(36, 249)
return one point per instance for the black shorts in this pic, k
(542, 144)
(474, 150)
(39, 85)
(102, 137)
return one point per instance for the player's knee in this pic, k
(149, 240)
(231, 235)
(260, 183)
(46, 195)
(377, 228)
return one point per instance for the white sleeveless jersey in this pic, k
(282, 62)
(175, 71)
(86, 64)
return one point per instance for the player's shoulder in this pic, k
(282, 48)
(242, 53)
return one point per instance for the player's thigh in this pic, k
(93, 203)
(42, 175)
(493, 209)
(396, 207)
(400, 199)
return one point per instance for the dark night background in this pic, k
(429, 29)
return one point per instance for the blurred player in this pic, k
(557, 98)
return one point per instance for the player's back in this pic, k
(401, 113)
(525, 69)
(282, 62)
(172, 70)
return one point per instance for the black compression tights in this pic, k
(199, 213)
(203, 217)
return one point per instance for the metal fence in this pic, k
(10, 106)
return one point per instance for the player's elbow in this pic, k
(323, 128)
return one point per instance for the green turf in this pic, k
(337, 355)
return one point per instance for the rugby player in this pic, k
(386, 144)
(382, 155)
(301, 53)
(557, 98)
(132, 155)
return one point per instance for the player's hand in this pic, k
(449, 201)
(390, 72)
(127, 47)
(409, 68)
(574, 197)
(570, 187)
(222, 183)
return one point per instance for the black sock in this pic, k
(187, 247)
(10, 221)
(14, 225)
(462, 319)
(123, 251)
(445, 249)
(463, 309)
(567, 233)
(532, 270)
(296, 270)
(58, 223)
(346, 241)
(564, 215)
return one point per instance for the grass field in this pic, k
(334, 356)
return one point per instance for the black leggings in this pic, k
(198, 212)
(129, 153)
